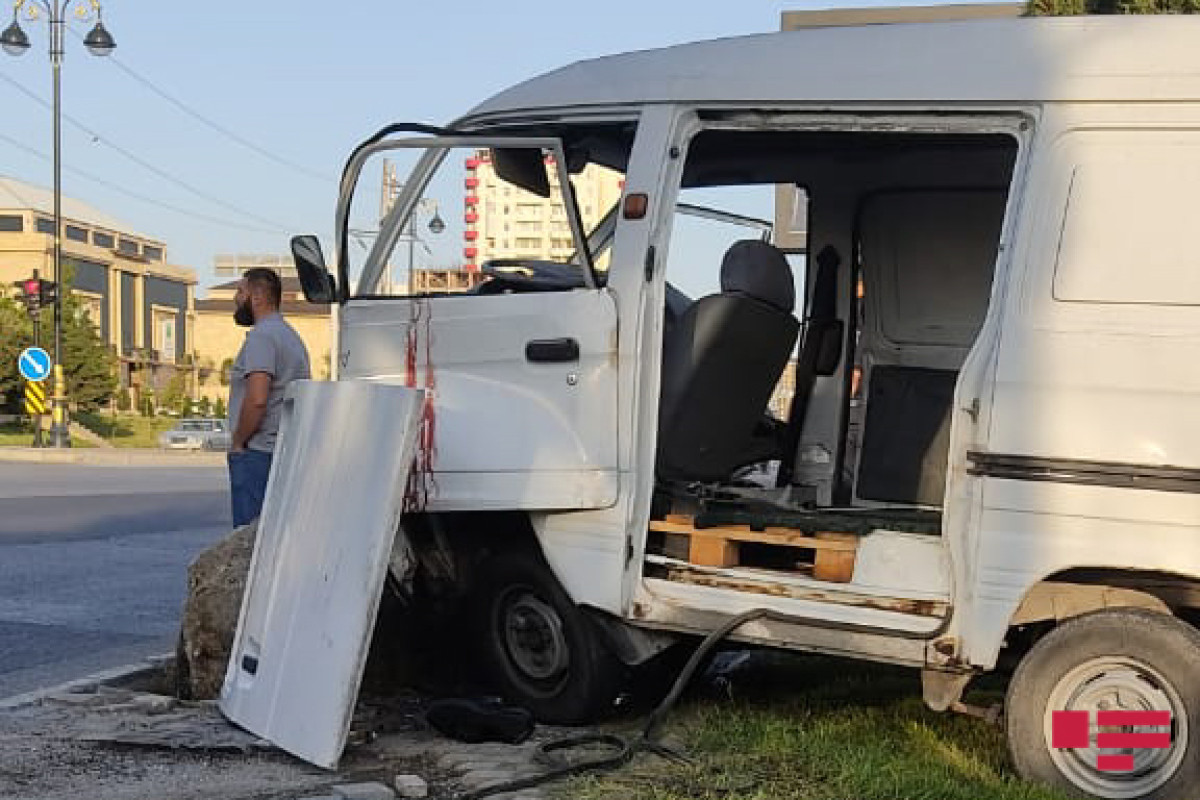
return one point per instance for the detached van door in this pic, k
(330, 519)
(517, 353)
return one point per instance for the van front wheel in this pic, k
(539, 648)
(1117, 660)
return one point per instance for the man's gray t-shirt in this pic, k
(274, 347)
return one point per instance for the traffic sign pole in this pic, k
(35, 407)
(59, 434)
(35, 366)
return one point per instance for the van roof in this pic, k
(1023, 60)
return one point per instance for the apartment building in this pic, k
(503, 221)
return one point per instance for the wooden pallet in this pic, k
(832, 552)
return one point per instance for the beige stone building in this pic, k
(503, 221)
(142, 306)
(219, 338)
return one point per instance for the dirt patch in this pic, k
(121, 740)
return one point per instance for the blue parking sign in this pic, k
(34, 363)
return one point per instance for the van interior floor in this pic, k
(819, 543)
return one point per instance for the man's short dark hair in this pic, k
(268, 279)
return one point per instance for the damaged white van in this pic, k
(889, 331)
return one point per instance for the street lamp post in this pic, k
(436, 226)
(99, 43)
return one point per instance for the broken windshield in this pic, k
(427, 219)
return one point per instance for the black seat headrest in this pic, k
(757, 269)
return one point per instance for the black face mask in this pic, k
(243, 316)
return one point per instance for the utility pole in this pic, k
(387, 196)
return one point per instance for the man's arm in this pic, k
(254, 406)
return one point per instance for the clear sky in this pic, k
(304, 80)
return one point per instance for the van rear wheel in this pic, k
(1126, 660)
(539, 648)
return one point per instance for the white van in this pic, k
(976, 281)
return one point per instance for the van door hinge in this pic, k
(649, 265)
(973, 409)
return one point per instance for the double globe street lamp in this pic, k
(99, 42)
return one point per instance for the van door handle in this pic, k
(548, 351)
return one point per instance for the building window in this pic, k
(127, 247)
(91, 305)
(45, 225)
(152, 253)
(103, 239)
(164, 334)
(77, 234)
(525, 242)
(12, 223)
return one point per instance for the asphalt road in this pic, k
(93, 564)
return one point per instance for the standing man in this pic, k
(272, 356)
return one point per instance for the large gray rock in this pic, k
(216, 583)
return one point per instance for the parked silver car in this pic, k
(196, 434)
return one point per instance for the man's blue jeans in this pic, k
(248, 473)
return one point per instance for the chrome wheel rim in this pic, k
(1117, 683)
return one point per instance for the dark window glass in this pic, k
(152, 253)
(77, 234)
(12, 224)
(102, 239)
(128, 248)
(45, 225)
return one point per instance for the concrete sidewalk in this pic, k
(115, 456)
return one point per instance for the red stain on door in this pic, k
(421, 483)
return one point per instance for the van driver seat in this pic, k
(721, 362)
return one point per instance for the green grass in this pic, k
(809, 728)
(127, 431)
(20, 435)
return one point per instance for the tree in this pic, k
(89, 367)
(219, 408)
(1042, 8)
(175, 394)
(16, 333)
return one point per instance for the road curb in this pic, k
(111, 457)
(146, 666)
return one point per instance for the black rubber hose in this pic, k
(625, 750)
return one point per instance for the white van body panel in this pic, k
(1095, 373)
(1063, 59)
(331, 513)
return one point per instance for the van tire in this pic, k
(539, 649)
(1152, 659)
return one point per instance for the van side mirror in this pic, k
(829, 349)
(316, 282)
